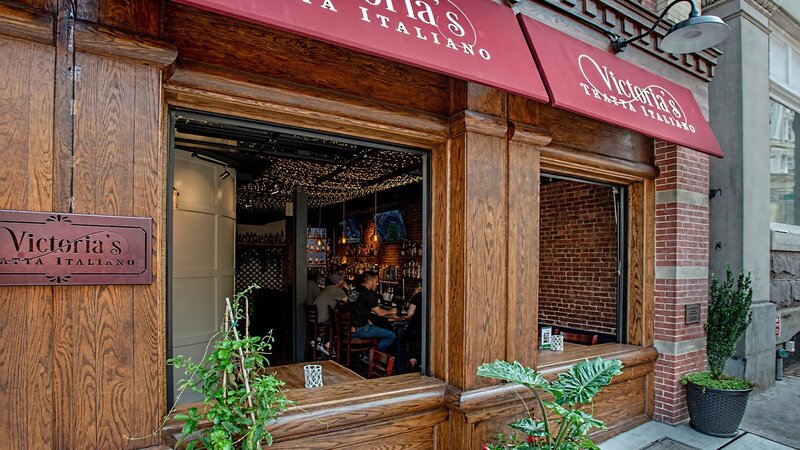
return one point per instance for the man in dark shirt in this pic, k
(362, 301)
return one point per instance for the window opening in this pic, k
(583, 254)
(309, 217)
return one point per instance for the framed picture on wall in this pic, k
(351, 231)
(390, 226)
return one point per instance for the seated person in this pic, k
(414, 330)
(362, 301)
(312, 288)
(330, 296)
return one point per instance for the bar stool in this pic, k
(345, 342)
(314, 330)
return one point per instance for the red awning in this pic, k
(592, 82)
(478, 41)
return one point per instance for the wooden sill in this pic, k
(550, 362)
(347, 405)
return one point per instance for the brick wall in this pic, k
(681, 273)
(578, 254)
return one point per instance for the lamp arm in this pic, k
(619, 43)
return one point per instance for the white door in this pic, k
(203, 242)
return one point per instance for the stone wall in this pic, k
(784, 277)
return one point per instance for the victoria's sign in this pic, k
(476, 40)
(42, 248)
(595, 83)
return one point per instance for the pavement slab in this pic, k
(775, 413)
(771, 422)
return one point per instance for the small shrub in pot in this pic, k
(716, 400)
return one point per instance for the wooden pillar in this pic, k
(478, 233)
(491, 242)
(82, 134)
(523, 243)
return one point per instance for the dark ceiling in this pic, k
(271, 163)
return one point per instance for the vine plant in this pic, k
(240, 395)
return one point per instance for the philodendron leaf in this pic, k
(529, 426)
(584, 380)
(513, 372)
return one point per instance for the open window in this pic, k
(306, 216)
(583, 252)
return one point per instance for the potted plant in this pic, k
(717, 401)
(240, 395)
(564, 424)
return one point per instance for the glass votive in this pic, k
(313, 375)
(557, 343)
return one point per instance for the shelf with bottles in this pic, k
(411, 249)
(361, 251)
(251, 239)
(317, 240)
(407, 270)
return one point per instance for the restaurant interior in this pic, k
(294, 209)
(288, 209)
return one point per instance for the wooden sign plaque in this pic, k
(44, 248)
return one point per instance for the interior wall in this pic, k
(578, 254)
(203, 236)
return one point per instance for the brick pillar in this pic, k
(681, 273)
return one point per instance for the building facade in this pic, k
(88, 96)
(753, 101)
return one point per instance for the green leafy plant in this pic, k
(729, 316)
(240, 396)
(571, 392)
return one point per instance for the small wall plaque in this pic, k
(693, 313)
(43, 248)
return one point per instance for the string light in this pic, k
(357, 181)
(298, 161)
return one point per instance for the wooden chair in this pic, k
(578, 338)
(346, 344)
(380, 364)
(314, 330)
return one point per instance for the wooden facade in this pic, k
(83, 128)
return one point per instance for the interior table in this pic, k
(400, 324)
(332, 373)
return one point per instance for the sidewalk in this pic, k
(771, 422)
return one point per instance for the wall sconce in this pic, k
(687, 36)
(693, 34)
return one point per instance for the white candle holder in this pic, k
(313, 375)
(557, 343)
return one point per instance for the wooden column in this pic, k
(523, 243)
(477, 167)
